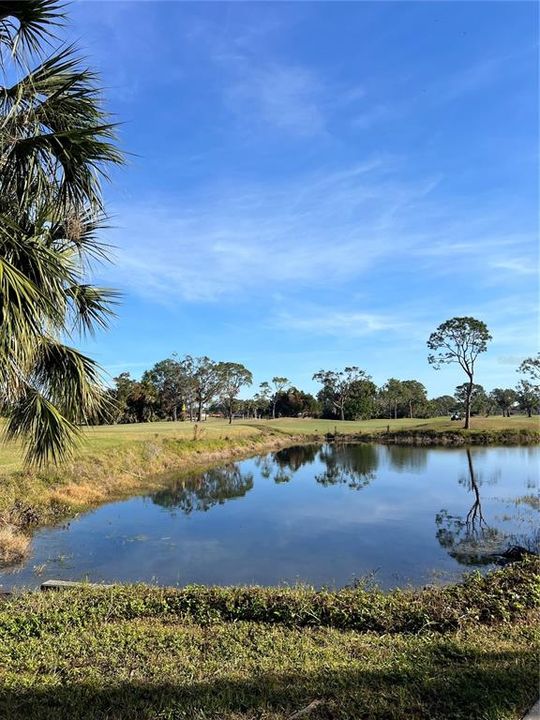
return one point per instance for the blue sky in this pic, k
(314, 185)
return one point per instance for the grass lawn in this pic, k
(154, 654)
(106, 437)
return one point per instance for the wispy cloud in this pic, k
(316, 231)
(311, 231)
(516, 265)
(289, 98)
(341, 323)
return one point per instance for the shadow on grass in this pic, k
(449, 686)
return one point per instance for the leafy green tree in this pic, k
(528, 389)
(263, 398)
(124, 384)
(296, 403)
(391, 396)
(530, 367)
(459, 340)
(56, 143)
(442, 405)
(528, 396)
(206, 380)
(338, 386)
(279, 384)
(504, 399)
(414, 395)
(478, 398)
(173, 385)
(234, 376)
(135, 400)
(361, 401)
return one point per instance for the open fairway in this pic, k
(105, 437)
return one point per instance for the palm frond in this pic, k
(28, 24)
(69, 379)
(92, 306)
(56, 145)
(46, 434)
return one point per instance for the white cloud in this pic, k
(516, 265)
(339, 322)
(286, 97)
(312, 231)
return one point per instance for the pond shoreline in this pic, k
(30, 500)
(444, 438)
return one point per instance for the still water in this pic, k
(321, 514)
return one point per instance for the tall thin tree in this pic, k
(459, 340)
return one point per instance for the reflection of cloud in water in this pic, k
(258, 531)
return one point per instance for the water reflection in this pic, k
(281, 465)
(215, 487)
(351, 465)
(293, 458)
(407, 458)
(470, 539)
(295, 515)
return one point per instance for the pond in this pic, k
(321, 514)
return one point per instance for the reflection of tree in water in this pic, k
(215, 487)
(267, 469)
(470, 540)
(281, 465)
(353, 465)
(407, 458)
(293, 458)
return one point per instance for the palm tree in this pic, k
(55, 146)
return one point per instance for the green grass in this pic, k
(150, 653)
(107, 437)
(441, 424)
(135, 653)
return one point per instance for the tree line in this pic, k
(188, 388)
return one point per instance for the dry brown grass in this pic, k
(14, 545)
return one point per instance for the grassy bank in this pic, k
(463, 652)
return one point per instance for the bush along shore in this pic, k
(30, 499)
(444, 438)
(462, 652)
